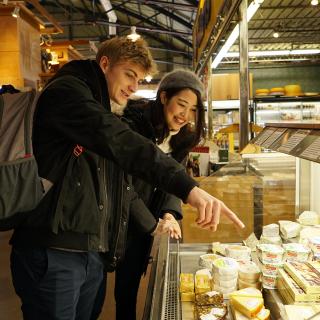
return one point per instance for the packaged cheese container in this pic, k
(220, 281)
(238, 252)
(314, 244)
(186, 282)
(270, 240)
(224, 277)
(187, 296)
(270, 269)
(224, 290)
(285, 282)
(244, 284)
(249, 271)
(204, 271)
(225, 266)
(269, 253)
(270, 230)
(296, 252)
(309, 218)
(269, 281)
(202, 283)
(206, 260)
(305, 275)
(289, 229)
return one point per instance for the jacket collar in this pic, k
(89, 72)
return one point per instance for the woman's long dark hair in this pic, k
(189, 135)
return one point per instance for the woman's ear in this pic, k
(163, 97)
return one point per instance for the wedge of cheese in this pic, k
(264, 314)
(247, 292)
(248, 306)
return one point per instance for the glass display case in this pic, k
(260, 189)
(280, 109)
(264, 189)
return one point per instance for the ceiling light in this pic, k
(252, 9)
(276, 34)
(314, 2)
(16, 12)
(148, 78)
(133, 36)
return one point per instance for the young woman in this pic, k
(175, 123)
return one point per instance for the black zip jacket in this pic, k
(77, 212)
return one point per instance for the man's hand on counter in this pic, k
(209, 209)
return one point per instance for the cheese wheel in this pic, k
(262, 91)
(277, 89)
(292, 90)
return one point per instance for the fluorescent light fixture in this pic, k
(273, 53)
(16, 12)
(305, 51)
(252, 9)
(133, 36)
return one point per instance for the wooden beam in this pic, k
(46, 14)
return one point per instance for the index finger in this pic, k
(231, 216)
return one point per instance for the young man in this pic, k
(55, 261)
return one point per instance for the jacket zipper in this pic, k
(104, 212)
(118, 227)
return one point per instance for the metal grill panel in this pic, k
(172, 306)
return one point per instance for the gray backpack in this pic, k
(21, 189)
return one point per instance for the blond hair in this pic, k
(120, 49)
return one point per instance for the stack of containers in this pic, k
(270, 234)
(225, 275)
(271, 258)
(249, 275)
(238, 252)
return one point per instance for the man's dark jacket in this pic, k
(81, 210)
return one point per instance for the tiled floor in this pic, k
(10, 304)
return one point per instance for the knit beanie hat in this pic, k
(181, 79)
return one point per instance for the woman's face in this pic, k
(180, 109)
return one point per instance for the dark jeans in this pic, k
(55, 284)
(128, 275)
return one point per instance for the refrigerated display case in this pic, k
(262, 189)
(284, 109)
